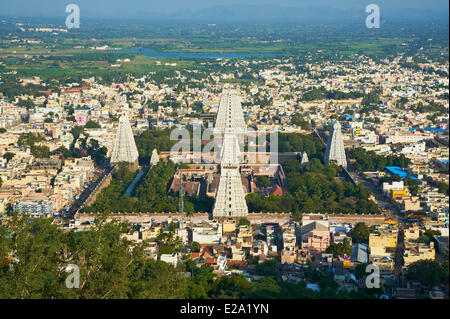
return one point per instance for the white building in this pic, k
(394, 186)
(207, 233)
(416, 149)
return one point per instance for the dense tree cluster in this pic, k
(110, 198)
(29, 139)
(299, 120)
(151, 194)
(427, 272)
(369, 161)
(113, 268)
(262, 181)
(91, 148)
(34, 257)
(313, 188)
(360, 233)
(92, 124)
(443, 188)
(153, 191)
(372, 98)
(151, 139)
(28, 103)
(340, 249)
(322, 93)
(40, 151)
(293, 142)
(430, 108)
(12, 88)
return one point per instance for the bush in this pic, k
(92, 124)
(428, 272)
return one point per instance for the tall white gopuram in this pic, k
(230, 196)
(304, 159)
(230, 113)
(335, 146)
(154, 160)
(125, 149)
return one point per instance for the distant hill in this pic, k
(317, 14)
(136, 9)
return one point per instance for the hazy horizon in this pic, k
(223, 10)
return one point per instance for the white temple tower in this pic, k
(125, 149)
(304, 159)
(230, 113)
(230, 196)
(335, 146)
(154, 160)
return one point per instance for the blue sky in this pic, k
(130, 8)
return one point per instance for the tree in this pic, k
(92, 124)
(2, 130)
(262, 181)
(230, 287)
(244, 221)
(402, 101)
(76, 132)
(151, 139)
(29, 139)
(360, 233)
(29, 104)
(314, 94)
(8, 156)
(370, 161)
(428, 235)
(340, 249)
(40, 151)
(413, 185)
(428, 272)
(297, 119)
(108, 267)
(360, 271)
(445, 264)
(66, 153)
(195, 247)
(371, 98)
(268, 267)
(99, 155)
(443, 188)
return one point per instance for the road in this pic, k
(391, 210)
(134, 182)
(87, 192)
(398, 259)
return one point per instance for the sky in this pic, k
(162, 8)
